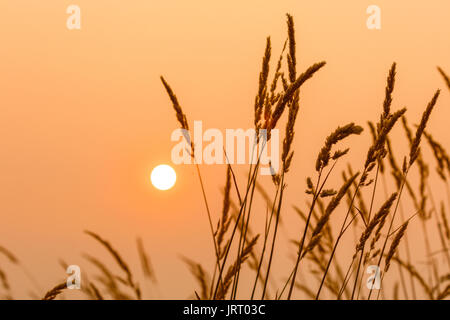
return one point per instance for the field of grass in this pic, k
(380, 234)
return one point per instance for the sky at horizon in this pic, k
(85, 118)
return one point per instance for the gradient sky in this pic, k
(84, 117)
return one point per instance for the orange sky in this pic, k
(84, 117)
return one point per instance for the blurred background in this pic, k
(84, 118)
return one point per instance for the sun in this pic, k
(163, 177)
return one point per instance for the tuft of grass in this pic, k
(53, 293)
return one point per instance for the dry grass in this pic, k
(53, 293)
(380, 237)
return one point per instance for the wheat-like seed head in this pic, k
(51, 295)
(442, 159)
(394, 245)
(261, 96)
(292, 61)
(377, 150)
(413, 154)
(379, 216)
(145, 261)
(8, 254)
(336, 136)
(181, 117)
(332, 205)
(225, 220)
(388, 96)
(123, 265)
(234, 268)
(291, 90)
(445, 222)
(200, 275)
(445, 76)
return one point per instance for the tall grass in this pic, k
(381, 235)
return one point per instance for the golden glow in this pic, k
(163, 177)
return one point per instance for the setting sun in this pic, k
(163, 177)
